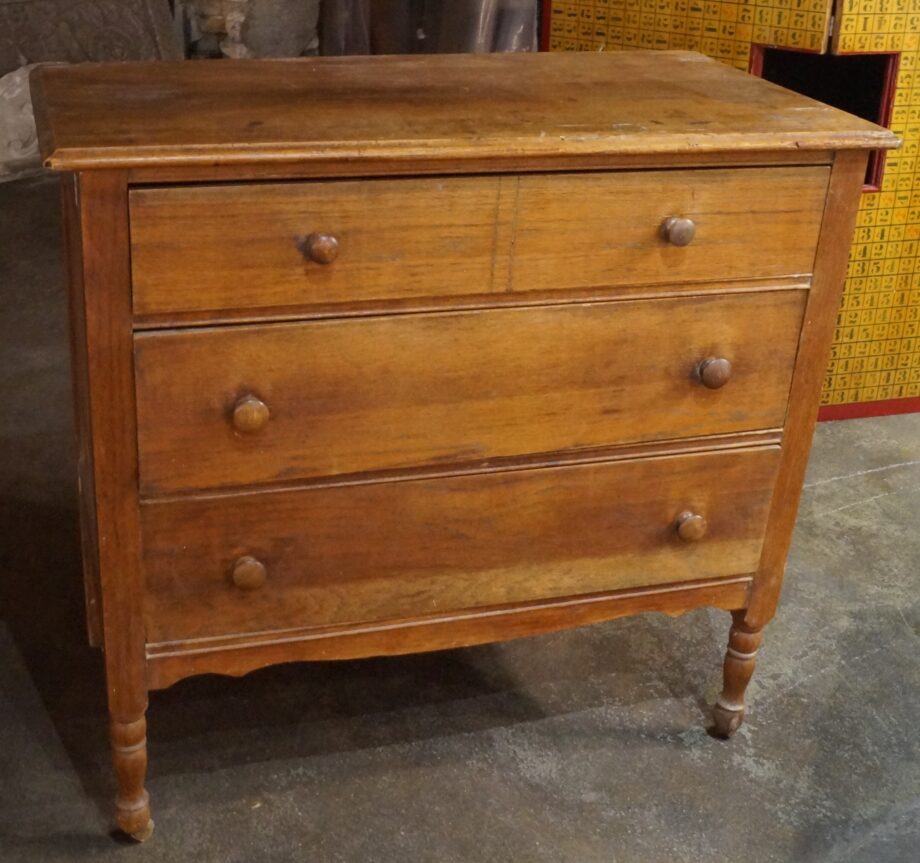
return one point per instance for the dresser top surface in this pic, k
(185, 114)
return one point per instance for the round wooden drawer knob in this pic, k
(715, 372)
(249, 573)
(321, 248)
(678, 231)
(250, 414)
(691, 527)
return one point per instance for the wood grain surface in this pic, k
(409, 362)
(816, 337)
(79, 371)
(443, 107)
(402, 391)
(106, 384)
(588, 229)
(391, 550)
(240, 247)
(242, 653)
(508, 162)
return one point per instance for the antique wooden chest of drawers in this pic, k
(386, 355)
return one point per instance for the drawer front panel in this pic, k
(249, 246)
(349, 396)
(587, 230)
(381, 551)
(262, 247)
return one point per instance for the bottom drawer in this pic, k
(391, 550)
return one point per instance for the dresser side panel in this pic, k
(110, 396)
(817, 333)
(84, 451)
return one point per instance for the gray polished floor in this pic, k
(584, 746)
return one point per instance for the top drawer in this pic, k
(268, 248)
(585, 230)
(248, 247)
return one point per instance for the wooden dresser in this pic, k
(383, 355)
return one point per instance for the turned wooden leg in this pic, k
(743, 642)
(129, 752)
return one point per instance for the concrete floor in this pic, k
(584, 746)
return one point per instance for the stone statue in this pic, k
(18, 140)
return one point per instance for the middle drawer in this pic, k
(235, 406)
